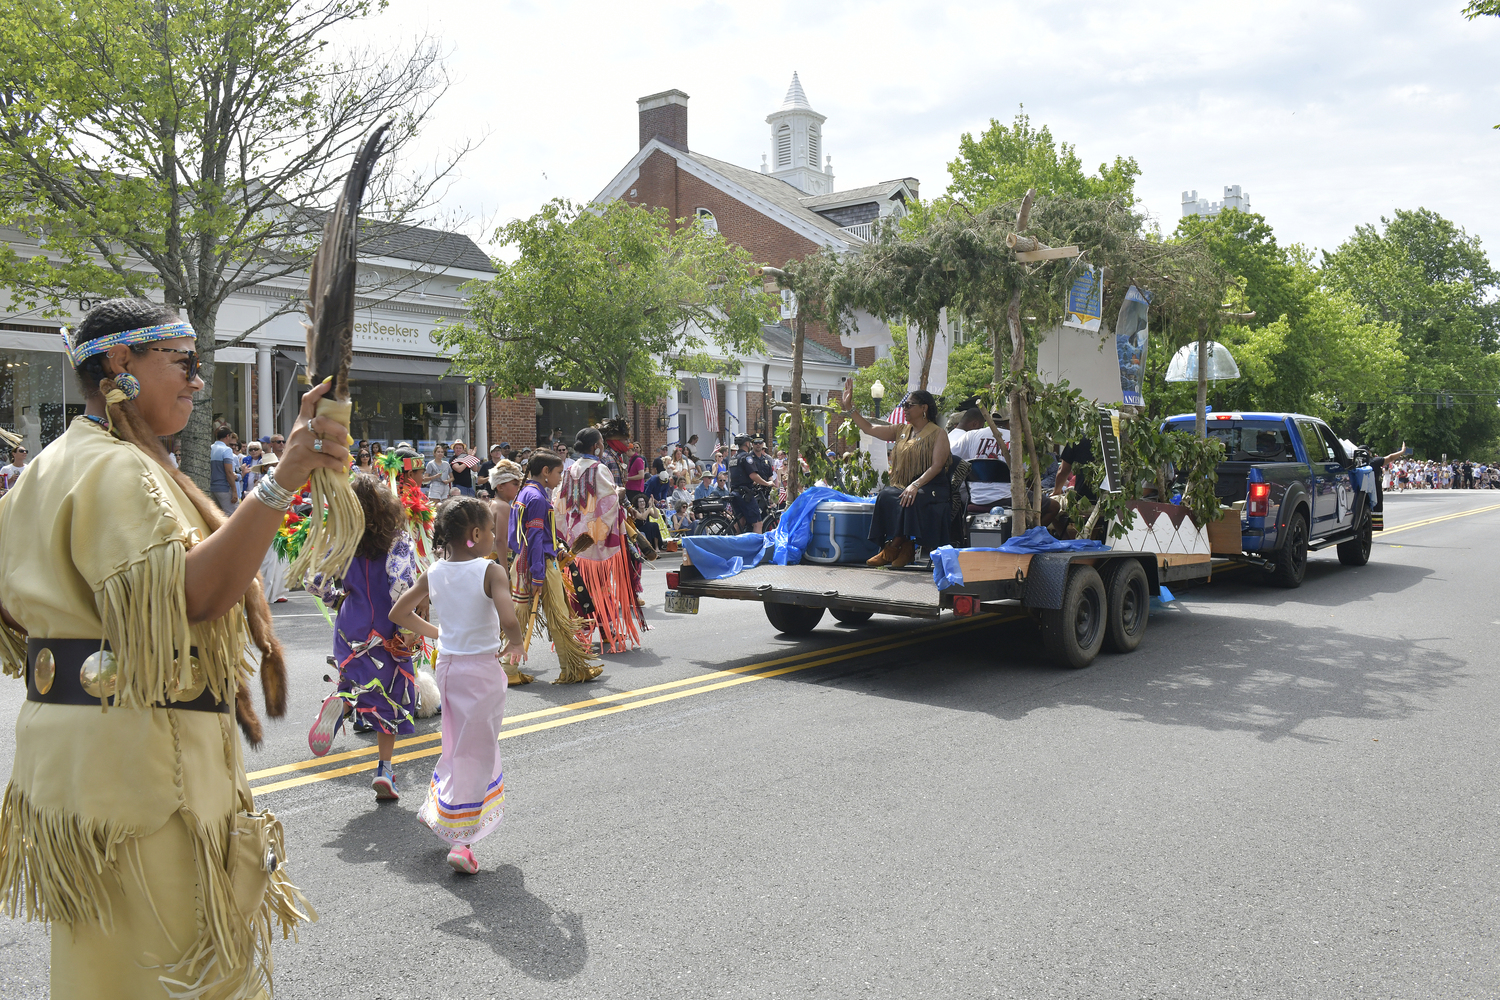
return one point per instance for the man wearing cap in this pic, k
(979, 444)
(968, 417)
(482, 478)
(747, 471)
(659, 463)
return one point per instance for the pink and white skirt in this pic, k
(466, 799)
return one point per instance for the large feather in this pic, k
(330, 286)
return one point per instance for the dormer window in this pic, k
(784, 146)
(706, 221)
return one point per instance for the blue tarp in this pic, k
(1039, 539)
(946, 572)
(718, 556)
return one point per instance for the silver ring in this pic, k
(318, 444)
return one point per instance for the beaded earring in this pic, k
(128, 384)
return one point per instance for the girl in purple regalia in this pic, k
(377, 680)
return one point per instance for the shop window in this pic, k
(564, 418)
(36, 398)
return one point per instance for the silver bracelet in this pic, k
(271, 493)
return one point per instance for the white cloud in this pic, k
(1328, 116)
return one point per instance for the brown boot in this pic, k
(905, 554)
(885, 555)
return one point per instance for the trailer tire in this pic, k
(1291, 560)
(1356, 551)
(851, 617)
(1073, 633)
(1129, 606)
(793, 619)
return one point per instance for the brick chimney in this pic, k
(664, 117)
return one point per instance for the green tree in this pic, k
(1434, 283)
(600, 297)
(1307, 349)
(184, 147)
(1007, 161)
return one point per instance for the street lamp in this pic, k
(877, 393)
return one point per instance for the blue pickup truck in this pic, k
(1301, 487)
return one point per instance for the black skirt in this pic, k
(926, 519)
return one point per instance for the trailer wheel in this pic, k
(1074, 632)
(852, 617)
(1356, 551)
(793, 619)
(1291, 561)
(1129, 607)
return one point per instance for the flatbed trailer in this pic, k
(1082, 601)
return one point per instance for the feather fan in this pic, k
(333, 538)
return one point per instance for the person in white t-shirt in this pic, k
(980, 444)
(10, 473)
(970, 418)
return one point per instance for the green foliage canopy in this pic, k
(186, 146)
(1433, 282)
(600, 295)
(1006, 161)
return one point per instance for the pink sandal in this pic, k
(330, 716)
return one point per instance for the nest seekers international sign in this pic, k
(393, 336)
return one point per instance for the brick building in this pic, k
(784, 210)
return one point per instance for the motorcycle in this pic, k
(720, 515)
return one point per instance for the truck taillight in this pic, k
(672, 580)
(1259, 502)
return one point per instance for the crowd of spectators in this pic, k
(1412, 474)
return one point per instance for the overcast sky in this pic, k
(1328, 115)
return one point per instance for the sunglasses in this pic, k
(190, 361)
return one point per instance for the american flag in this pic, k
(898, 414)
(708, 388)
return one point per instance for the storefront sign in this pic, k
(392, 335)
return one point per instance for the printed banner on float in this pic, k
(1086, 301)
(1130, 344)
(917, 357)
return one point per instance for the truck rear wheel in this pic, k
(1074, 632)
(1129, 606)
(1356, 551)
(852, 617)
(1291, 561)
(793, 619)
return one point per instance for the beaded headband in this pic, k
(125, 338)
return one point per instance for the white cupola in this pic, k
(797, 155)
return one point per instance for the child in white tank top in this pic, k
(471, 599)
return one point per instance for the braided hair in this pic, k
(456, 517)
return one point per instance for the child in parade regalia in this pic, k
(471, 597)
(536, 577)
(506, 479)
(376, 676)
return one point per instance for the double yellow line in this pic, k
(1436, 520)
(306, 772)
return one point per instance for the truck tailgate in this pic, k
(851, 588)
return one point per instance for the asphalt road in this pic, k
(1281, 794)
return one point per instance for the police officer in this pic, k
(747, 471)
